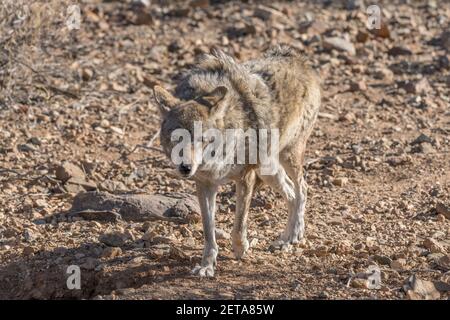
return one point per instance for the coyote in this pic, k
(276, 91)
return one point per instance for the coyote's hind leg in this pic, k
(292, 162)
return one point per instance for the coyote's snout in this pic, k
(277, 94)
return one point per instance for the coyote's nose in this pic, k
(185, 169)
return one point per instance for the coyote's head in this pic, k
(178, 139)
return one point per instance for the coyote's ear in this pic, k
(215, 99)
(164, 99)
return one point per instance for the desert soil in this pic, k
(77, 105)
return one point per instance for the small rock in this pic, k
(443, 209)
(433, 246)
(35, 140)
(266, 13)
(320, 251)
(426, 148)
(348, 116)
(442, 286)
(79, 255)
(312, 28)
(362, 36)
(371, 242)
(112, 239)
(26, 147)
(29, 235)
(116, 130)
(398, 264)
(337, 221)
(421, 139)
(382, 31)
(417, 289)
(444, 40)
(399, 51)
(144, 18)
(343, 247)
(444, 262)
(199, 3)
(422, 86)
(105, 124)
(253, 242)
(178, 254)
(340, 182)
(111, 252)
(27, 251)
(384, 74)
(75, 185)
(417, 87)
(222, 234)
(90, 264)
(358, 86)
(359, 283)
(69, 170)
(39, 221)
(186, 232)
(339, 44)
(384, 260)
(163, 240)
(87, 74)
(113, 186)
(149, 235)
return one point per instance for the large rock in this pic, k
(176, 207)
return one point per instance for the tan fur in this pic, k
(278, 91)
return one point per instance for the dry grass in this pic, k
(30, 31)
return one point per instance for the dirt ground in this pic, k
(378, 160)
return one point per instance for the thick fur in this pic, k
(279, 91)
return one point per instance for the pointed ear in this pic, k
(164, 99)
(215, 99)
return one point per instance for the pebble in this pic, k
(68, 170)
(384, 260)
(339, 44)
(111, 252)
(222, 234)
(398, 264)
(418, 289)
(112, 239)
(433, 246)
(443, 210)
(340, 182)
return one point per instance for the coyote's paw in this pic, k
(203, 271)
(240, 248)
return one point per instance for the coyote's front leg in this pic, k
(244, 192)
(207, 199)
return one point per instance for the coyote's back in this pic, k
(294, 92)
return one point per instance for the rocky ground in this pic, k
(77, 113)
